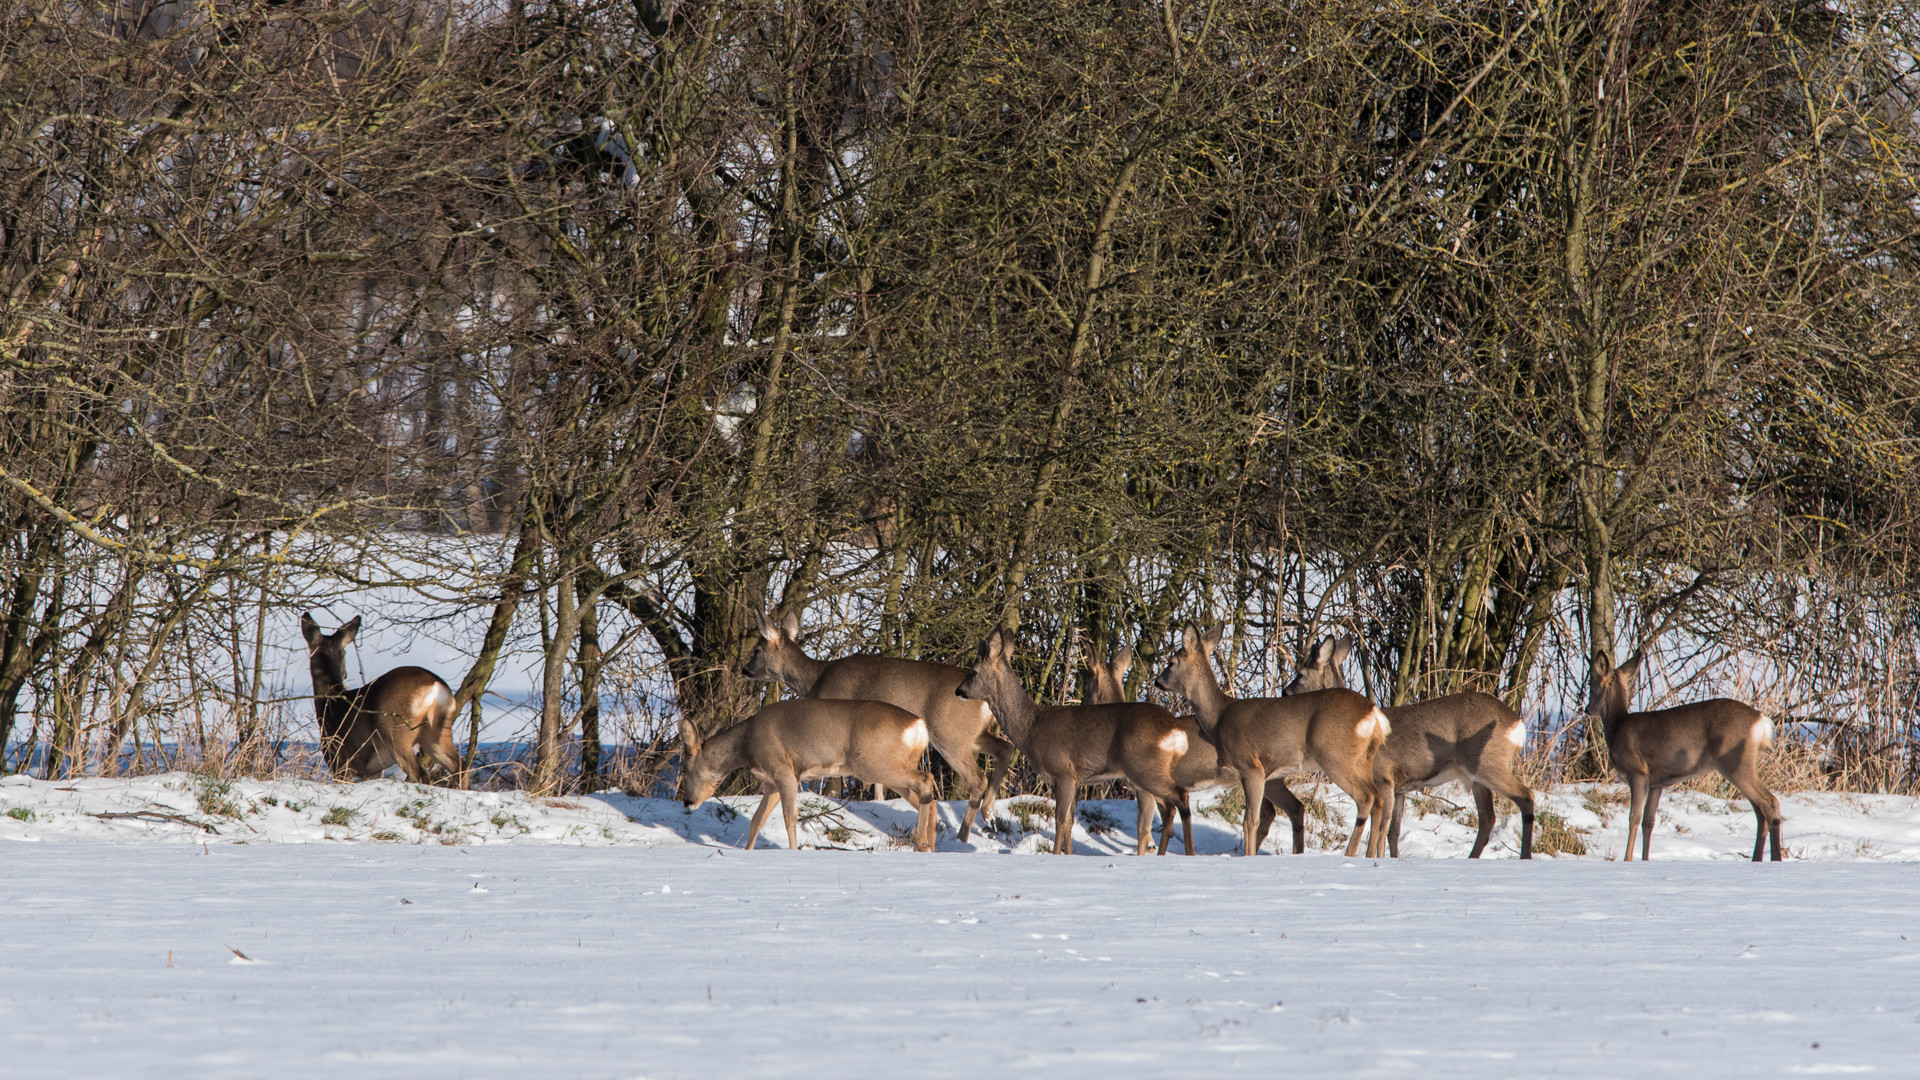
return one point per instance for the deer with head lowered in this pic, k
(1473, 738)
(1654, 750)
(395, 719)
(802, 739)
(1081, 744)
(1199, 768)
(957, 729)
(1335, 731)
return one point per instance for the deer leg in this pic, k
(1636, 809)
(1393, 824)
(1766, 809)
(1065, 802)
(1251, 786)
(1166, 825)
(1383, 796)
(1522, 797)
(1186, 822)
(1001, 753)
(768, 796)
(1281, 797)
(1483, 813)
(790, 808)
(1646, 823)
(973, 782)
(1143, 827)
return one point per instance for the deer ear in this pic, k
(1630, 670)
(790, 625)
(1214, 634)
(1601, 664)
(1342, 648)
(309, 629)
(1122, 662)
(1190, 638)
(1322, 655)
(690, 738)
(767, 629)
(1004, 647)
(349, 632)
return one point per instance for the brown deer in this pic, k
(804, 739)
(1082, 744)
(958, 729)
(1199, 768)
(394, 719)
(1654, 750)
(1336, 731)
(1473, 738)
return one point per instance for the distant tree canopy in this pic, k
(1489, 331)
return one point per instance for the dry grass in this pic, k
(1553, 836)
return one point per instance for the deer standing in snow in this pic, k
(1473, 738)
(802, 739)
(958, 729)
(1655, 750)
(1081, 744)
(1199, 768)
(1335, 731)
(395, 719)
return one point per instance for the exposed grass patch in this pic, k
(385, 834)
(214, 796)
(1553, 836)
(1230, 807)
(1603, 801)
(838, 834)
(21, 813)
(1097, 821)
(339, 815)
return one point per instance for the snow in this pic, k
(607, 936)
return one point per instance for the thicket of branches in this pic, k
(1491, 332)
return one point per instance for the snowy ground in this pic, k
(497, 936)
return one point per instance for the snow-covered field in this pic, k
(306, 929)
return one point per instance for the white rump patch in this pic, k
(1174, 742)
(915, 736)
(1763, 731)
(1373, 724)
(1517, 734)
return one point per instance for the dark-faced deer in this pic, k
(396, 718)
(958, 729)
(1199, 768)
(1655, 750)
(803, 739)
(1081, 744)
(1473, 738)
(1335, 731)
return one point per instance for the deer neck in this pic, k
(1015, 709)
(329, 677)
(1209, 701)
(801, 672)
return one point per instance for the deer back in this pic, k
(1092, 741)
(1320, 729)
(921, 687)
(1670, 745)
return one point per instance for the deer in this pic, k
(395, 719)
(1336, 731)
(1471, 737)
(958, 729)
(1199, 769)
(1655, 750)
(1082, 744)
(808, 739)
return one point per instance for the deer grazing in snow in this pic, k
(1473, 738)
(804, 739)
(395, 719)
(1336, 731)
(1654, 750)
(958, 729)
(1081, 744)
(1199, 768)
